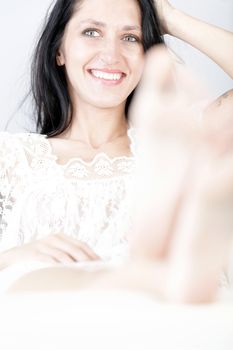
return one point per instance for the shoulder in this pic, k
(16, 143)
(7, 138)
(17, 150)
(8, 142)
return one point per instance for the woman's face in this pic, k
(102, 52)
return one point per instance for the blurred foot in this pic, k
(183, 191)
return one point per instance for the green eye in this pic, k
(131, 38)
(91, 32)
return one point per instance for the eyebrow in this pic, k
(101, 24)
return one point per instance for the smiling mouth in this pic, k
(111, 77)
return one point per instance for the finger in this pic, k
(80, 244)
(75, 249)
(28, 252)
(58, 255)
(45, 258)
(88, 250)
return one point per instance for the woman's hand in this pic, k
(57, 248)
(164, 10)
(201, 35)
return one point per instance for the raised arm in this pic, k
(213, 41)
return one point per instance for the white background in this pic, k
(19, 26)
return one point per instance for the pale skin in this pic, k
(112, 49)
(85, 138)
(53, 249)
(203, 37)
(213, 41)
(168, 262)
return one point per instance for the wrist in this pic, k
(172, 19)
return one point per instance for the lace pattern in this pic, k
(38, 197)
(87, 201)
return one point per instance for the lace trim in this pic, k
(97, 156)
(101, 167)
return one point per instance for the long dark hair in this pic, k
(53, 107)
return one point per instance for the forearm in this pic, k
(213, 41)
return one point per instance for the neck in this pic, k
(96, 127)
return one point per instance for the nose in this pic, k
(110, 52)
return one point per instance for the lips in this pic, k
(107, 76)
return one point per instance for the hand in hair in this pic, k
(164, 10)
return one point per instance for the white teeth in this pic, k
(106, 76)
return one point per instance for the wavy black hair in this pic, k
(49, 89)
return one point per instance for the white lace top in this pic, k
(86, 200)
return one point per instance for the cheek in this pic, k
(137, 64)
(77, 54)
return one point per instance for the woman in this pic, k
(87, 65)
(65, 86)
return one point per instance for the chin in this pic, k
(108, 104)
